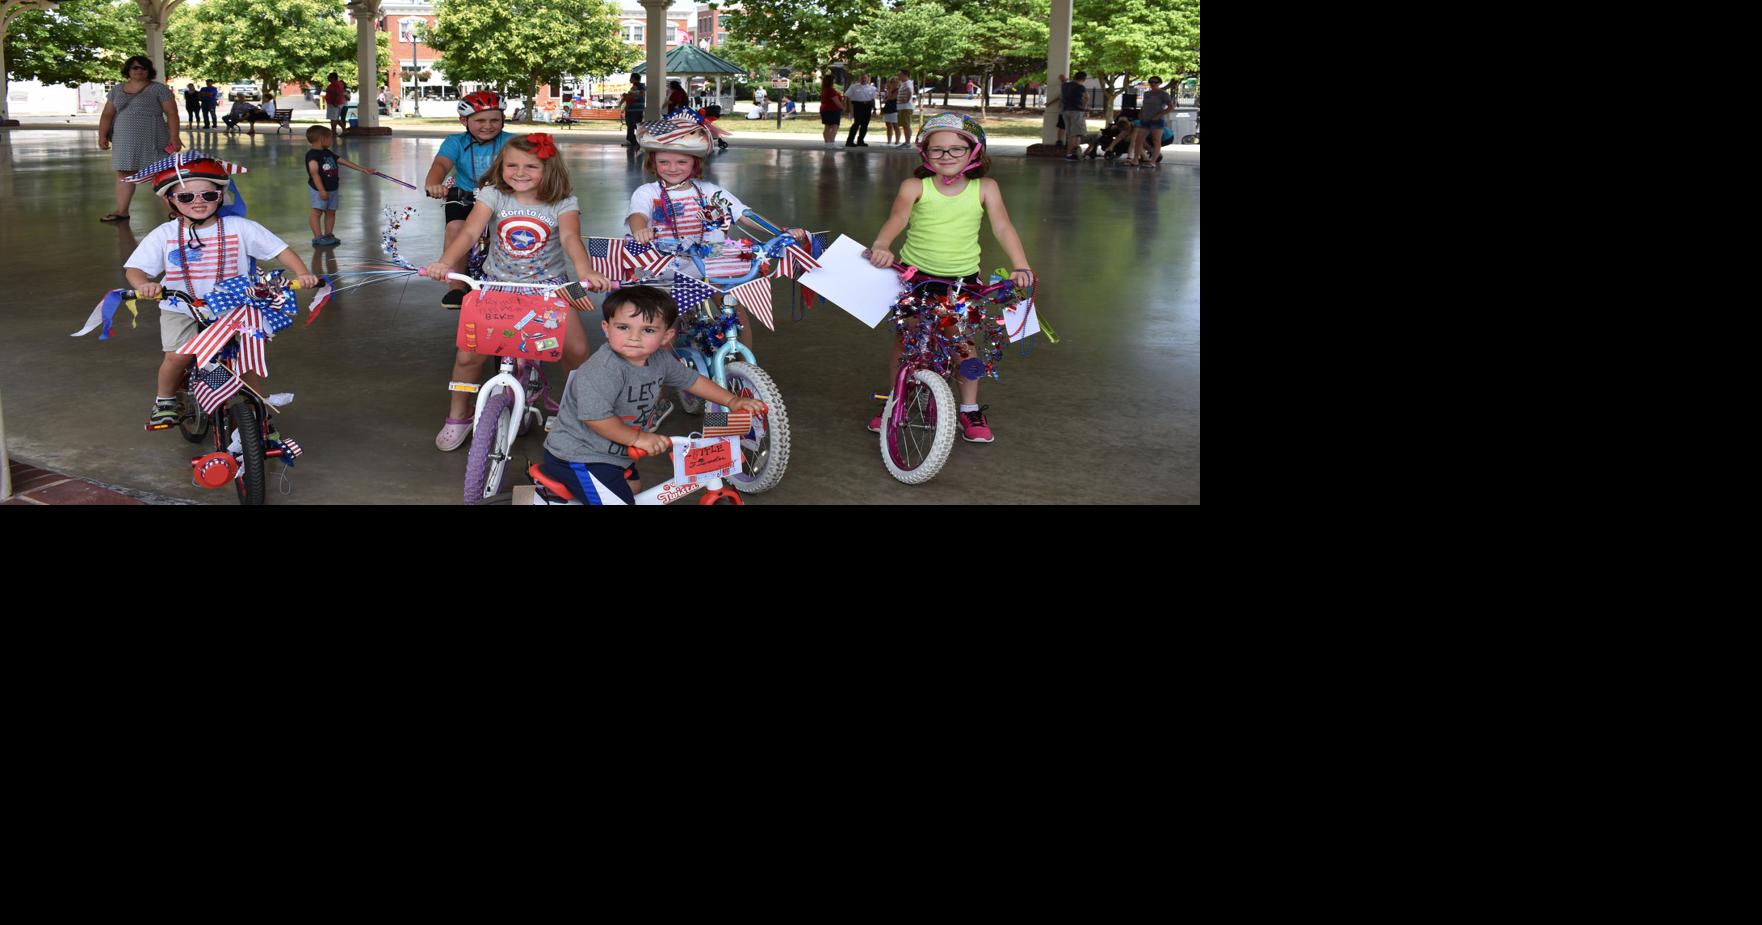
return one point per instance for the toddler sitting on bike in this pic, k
(195, 251)
(680, 204)
(613, 396)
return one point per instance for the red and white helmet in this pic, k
(480, 101)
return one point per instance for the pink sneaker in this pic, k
(973, 428)
(875, 425)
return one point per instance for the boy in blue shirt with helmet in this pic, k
(468, 155)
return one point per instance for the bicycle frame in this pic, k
(667, 492)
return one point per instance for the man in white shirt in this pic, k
(759, 100)
(862, 106)
(907, 100)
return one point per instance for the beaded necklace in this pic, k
(703, 206)
(183, 255)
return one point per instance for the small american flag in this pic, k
(644, 259)
(600, 260)
(214, 337)
(756, 296)
(799, 261)
(214, 386)
(727, 423)
(691, 292)
(252, 337)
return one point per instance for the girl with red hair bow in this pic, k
(527, 213)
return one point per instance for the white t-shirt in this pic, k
(861, 93)
(758, 94)
(242, 239)
(907, 94)
(706, 214)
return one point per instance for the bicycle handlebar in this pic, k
(186, 297)
(480, 284)
(637, 452)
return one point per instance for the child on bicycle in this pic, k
(943, 204)
(534, 226)
(613, 398)
(195, 251)
(680, 204)
(468, 155)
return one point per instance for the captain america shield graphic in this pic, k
(523, 237)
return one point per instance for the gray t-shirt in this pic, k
(525, 243)
(1156, 105)
(608, 385)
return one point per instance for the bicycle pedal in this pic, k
(157, 426)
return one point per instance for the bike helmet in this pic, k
(678, 133)
(481, 101)
(168, 174)
(963, 125)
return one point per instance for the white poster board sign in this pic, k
(847, 279)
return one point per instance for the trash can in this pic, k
(1181, 123)
(354, 123)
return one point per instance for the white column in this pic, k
(656, 33)
(154, 15)
(1058, 61)
(366, 61)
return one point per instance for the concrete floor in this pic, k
(1110, 414)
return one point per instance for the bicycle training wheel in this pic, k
(764, 451)
(915, 449)
(491, 441)
(250, 482)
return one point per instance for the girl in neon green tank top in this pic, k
(942, 203)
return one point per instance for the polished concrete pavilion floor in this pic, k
(1110, 414)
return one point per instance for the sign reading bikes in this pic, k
(512, 324)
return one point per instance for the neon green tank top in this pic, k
(943, 237)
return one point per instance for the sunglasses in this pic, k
(186, 198)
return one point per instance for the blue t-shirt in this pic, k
(470, 157)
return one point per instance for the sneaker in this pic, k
(875, 425)
(164, 414)
(973, 427)
(331, 240)
(1070, 157)
(453, 299)
(320, 241)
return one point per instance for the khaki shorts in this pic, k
(175, 330)
(1074, 127)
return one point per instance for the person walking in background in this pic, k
(1075, 104)
(138, 126)
(907, 102)
(193, 106)
(336, 103)
(633, 104)
(831, 110)
(210, 106)
(862, 107)
(890, 110)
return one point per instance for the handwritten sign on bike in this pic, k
(512, 324)
(712, 457)
(1020, 320)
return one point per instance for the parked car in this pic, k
(245, 88)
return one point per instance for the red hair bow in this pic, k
(543, 147)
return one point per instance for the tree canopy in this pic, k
(79, 41)
(519, 45)
(269, 41)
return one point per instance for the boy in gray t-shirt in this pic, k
(611, 398)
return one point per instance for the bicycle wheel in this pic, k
(764, 451)
(689, 403)
(915, 449)
(250, 482)
(192, 421)
(491, 440)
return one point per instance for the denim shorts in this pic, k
(323, 205)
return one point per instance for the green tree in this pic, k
(80, 41)
(804, 34)
(1004, 32)
(921, 37)
(1121, 39)
(519, 45)
(350, 70)
(269, 41)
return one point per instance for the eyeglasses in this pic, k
(187, 198)
(946, 153)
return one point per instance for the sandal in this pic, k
(115, 217)
(452, 436)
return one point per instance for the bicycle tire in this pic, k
(764, 451)
(192, 421)
(929, 415)
(491, 439)
(250, 482)
(689, 403)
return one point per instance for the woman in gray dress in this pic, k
(144, 115)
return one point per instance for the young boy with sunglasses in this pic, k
(195, 251)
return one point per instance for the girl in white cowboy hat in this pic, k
(680, 204)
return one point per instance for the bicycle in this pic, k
(697, 463)
(242, 435)
(938, 333)
(708, 342)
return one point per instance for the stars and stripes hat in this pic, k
(171, 172)
(679, 133)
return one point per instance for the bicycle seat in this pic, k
(549, 484)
